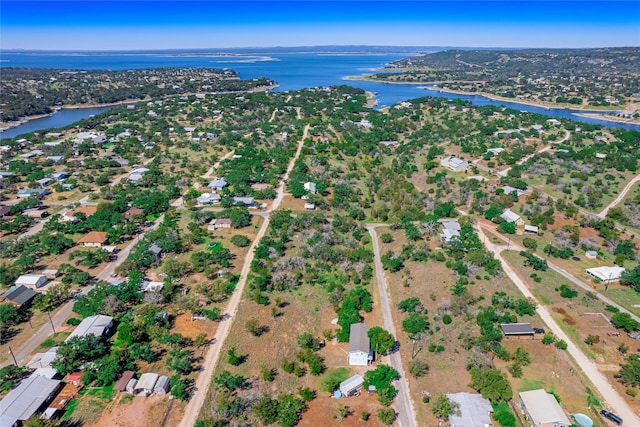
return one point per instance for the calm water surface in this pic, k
(292, 71)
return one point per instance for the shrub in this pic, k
(561, 344)
(240, 240)
(515, 369)
(446, 319)
(386, 238)
(418, 368)
(73, 321)
(548, 338)
(567, 292)
(632, 392)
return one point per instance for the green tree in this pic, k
(631, 278)
(629, 374)
(443, 407)
(179, 387)
(491, 383)
(266, 409)
(386, 415)
(381, 340)
(415, 323)
(76, 351)
(418, 368)
(522, 356)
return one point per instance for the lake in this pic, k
(292, 71)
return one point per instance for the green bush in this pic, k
(240, 241)
(73, 321)
(446, 319)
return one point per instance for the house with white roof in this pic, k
(473, 410)
(606, 274)
(98, 325)
(32, 281)
(510, 216)
(217, 184)
(136, 175)
(208, 198)
(30, 396)
(450, 230)
(543, 410)
(310, 187)
(458, 165)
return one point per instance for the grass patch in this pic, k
(626, 297)
(503, 415)
(528, 385)
(331, 379)
(54, 340)
(70, 409)
(104, 393)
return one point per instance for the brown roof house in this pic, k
(94, 239)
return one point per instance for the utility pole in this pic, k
(13, 356)
(51, 322)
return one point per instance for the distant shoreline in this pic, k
(592, 113)
(10, 125)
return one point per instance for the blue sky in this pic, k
(142, 24)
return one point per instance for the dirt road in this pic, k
(203, 382)
(403, 404)
(612, 398)
(620, 197)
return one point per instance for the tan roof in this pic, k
(94, 237)
(87, 210)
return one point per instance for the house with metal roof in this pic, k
(510, 216)
(543, 410)
(162, 385)
(32, 281)
(30, 396)
(473, 410)
(43, 360)
(517, 329)
(450, 229)
(121, 384)
(208, 199)
(458, 165)
(146, 383)
(21, 297)
(246, 201)
(98, 325)
(33, 192)
(217, 184)
(351, 385)
(606, 274)
(310, 187)
(359, 346)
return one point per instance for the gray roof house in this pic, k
(146, 383)
(450, 229)
(217, 184)
(510, 216)
(136, 175)
(515, 329)
(208, 198)
(98, 325)
(246, 201)
(543, 410)
(351, 385)
(473, 410)
(20, 296)
(162, 385)
(31, 394)
(458, 164)
(359, 346)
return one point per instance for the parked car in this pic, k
(613, 334)
(611, 416)
(538, 330)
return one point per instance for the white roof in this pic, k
(24, 400)
(531, 228)
(510, 216)
(543, 408)
(451, 225)
(351, 384)
(606, 273)
(30, 279)
(147, 381)
(454, 162)
(43, 360)
(94, 325)
(474, 410)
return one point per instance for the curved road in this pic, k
(621, 196)
(203, 382)
(610, 395)
(403, 404)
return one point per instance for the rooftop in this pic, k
(474, 410)
(358, 338)
(24, 400)
(543, 408)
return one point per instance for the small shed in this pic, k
(591, 254)
(351, 385)
(531, 229)
(146, 383)
(74, 378)
(517, 329)
(32, 281)
(131, 386)
(121, 384)
(162, 385)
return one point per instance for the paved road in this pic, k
(33, 230)
(203, 382)
(621, 196)
(63, 312)
(617, 404)
(403, 404)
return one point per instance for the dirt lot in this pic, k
(138, 411)
(322, 410)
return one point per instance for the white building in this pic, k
(606, 274)
(510, 216)
(310, 187)
(473, 410)
(98, 325)
(359, 347)
(543, 410)
(458, 165)
(32, 281)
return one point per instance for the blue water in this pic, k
(60, 119)
(292, 71)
